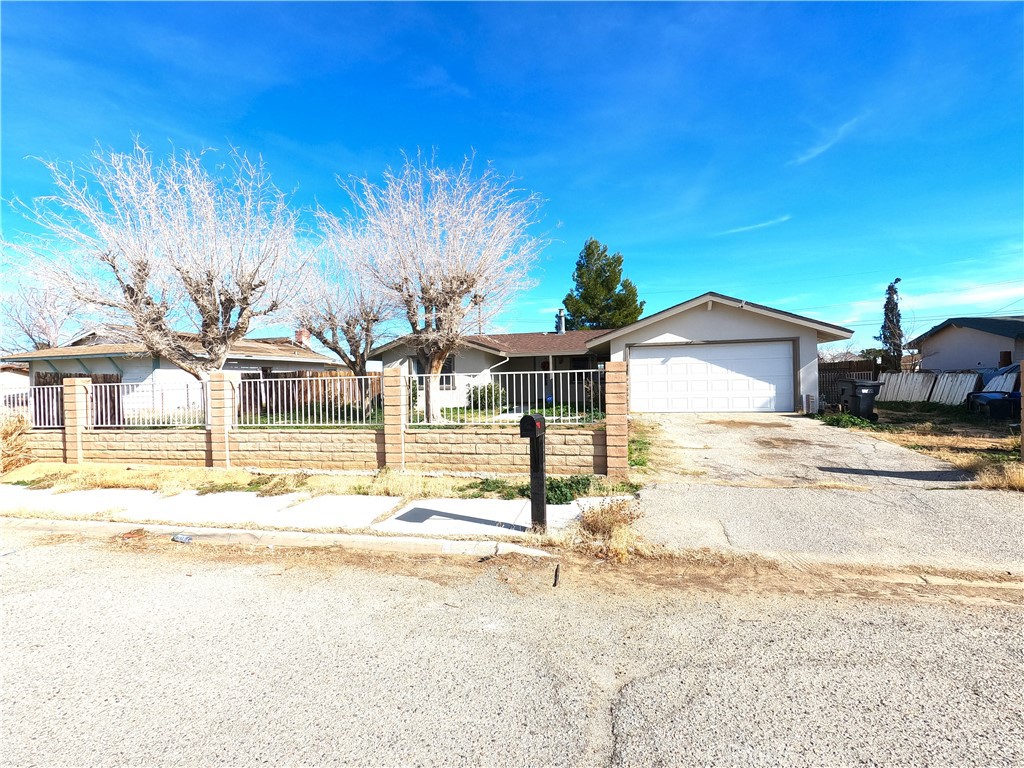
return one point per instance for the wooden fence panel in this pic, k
(953, 388)
(906, 387)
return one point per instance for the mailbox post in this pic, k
(532, 426)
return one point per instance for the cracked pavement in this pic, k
(792, 487)
(160, 656)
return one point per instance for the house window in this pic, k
(447, 378)
(580, 364)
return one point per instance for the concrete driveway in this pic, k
(791, 487)
(782, 450)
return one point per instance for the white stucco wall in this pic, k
(10, 380)
(959, 348)
(726, 323)
(135, 370)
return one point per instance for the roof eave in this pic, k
(825, 331)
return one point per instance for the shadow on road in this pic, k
(950, 476)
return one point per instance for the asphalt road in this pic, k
(144, 654)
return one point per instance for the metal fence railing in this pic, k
(43, 407)
(310, 402)
(181, 404)
(563, 397)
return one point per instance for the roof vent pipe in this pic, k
(560, 321)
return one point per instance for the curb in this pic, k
(409, 545)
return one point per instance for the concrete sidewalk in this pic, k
(291, 512)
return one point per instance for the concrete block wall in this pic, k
(569, 451)
(169, 447)
(47, 444)
(307, 448)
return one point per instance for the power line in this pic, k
(865, 323)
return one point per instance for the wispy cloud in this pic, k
(819, 149)
(436, 78)
(762, 225)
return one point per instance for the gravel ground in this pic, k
(115, 655)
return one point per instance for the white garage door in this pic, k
(754, 376)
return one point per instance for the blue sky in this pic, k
(797, 155)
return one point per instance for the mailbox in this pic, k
(531, 425)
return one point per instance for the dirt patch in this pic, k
(741, 424)
(702, 570)
(778, 443)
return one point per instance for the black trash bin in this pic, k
(857, 397)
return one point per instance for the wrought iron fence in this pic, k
(311, 402)
(43, 407)
(178, 404)
(563, 397)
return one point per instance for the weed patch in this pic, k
(609, 528)
(14, 449)
(847, 421)
(639, 449)
(1007, 476)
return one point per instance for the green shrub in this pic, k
(486, 397)
(638, 449)
(559, 490)
(846, 420)
(562, 490)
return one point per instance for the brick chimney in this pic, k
(302, 336)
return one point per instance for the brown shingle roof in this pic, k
(519, 344)
(245, 349)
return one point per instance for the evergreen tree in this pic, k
(891, 334)
(601, 298)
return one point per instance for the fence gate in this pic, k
(829, 375)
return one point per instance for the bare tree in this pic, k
(342, 307)
(169, 246)
(442, 243)
(37, 317)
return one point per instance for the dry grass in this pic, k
(606, 529)
(165, 480)
(409, 485)
(169, 481)
(987, 450)
(1008, 476)
(14, 449)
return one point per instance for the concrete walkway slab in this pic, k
(233, 509)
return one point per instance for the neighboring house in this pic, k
(13, 376)
(971, 343)
(104, 358)
(486, 358)
(708, 354)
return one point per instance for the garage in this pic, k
(732, 377)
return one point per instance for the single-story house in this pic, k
(971, 343)
(708, 354)
(105, 358)
(13, 376)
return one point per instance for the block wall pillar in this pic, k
(395, 403)
(77, 418)
(221, 408)
(616, 409)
